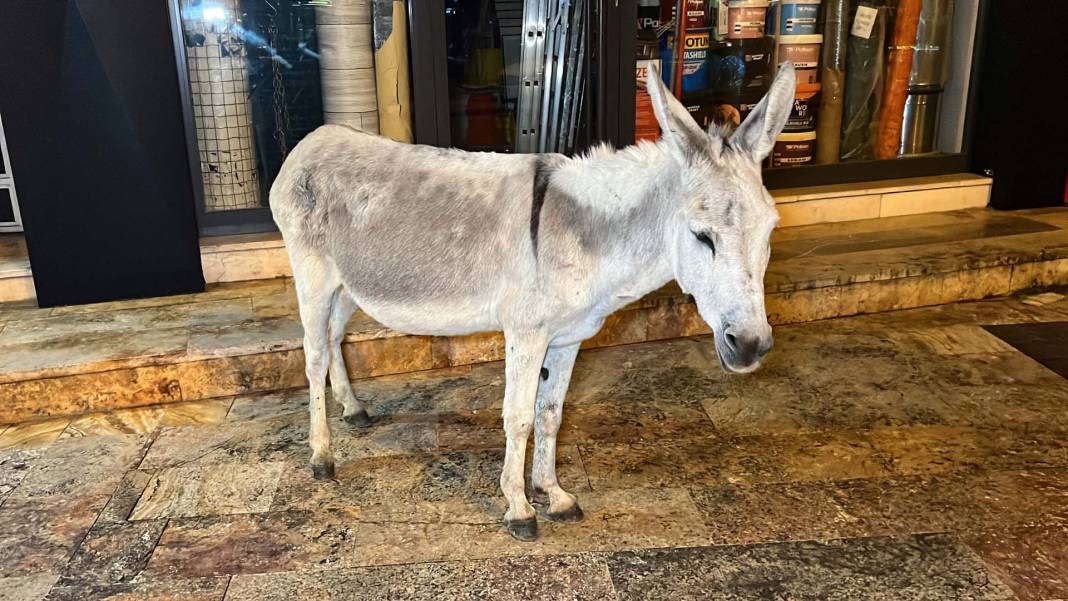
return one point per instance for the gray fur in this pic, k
(541, 247)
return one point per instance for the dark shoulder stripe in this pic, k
(542, 173)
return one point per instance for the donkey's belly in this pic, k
(430, 318)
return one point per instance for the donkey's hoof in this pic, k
(524, 530)
(360, 419)
(571, 514)
(324, 471)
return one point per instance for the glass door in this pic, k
(515, 75)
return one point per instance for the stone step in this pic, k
(246, 337)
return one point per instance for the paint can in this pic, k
(696, 14)
(804, 51)
(793, 149)
(695, 51)
(738, 65)
(803, 114)
(746, 18)
(798, 17)
(757, 54)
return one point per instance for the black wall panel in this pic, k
(94, 127)
(1021, 132)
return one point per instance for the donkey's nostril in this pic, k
(731, 340)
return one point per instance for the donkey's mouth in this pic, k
(731, 369)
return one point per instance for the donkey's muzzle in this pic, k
(743, 350)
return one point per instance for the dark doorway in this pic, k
(1019, 136)
(94, 127)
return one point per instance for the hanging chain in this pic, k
(279, 102)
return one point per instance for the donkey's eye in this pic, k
(703, 238)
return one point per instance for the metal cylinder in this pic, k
(920, 125)
(931, 51)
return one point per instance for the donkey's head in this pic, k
(721, 239)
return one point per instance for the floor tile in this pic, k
(215, 489)
(789, 457)
(576, 578)
(80, 466)
(965, 502)
(458, 486)
(155, 589)
(1032, 561)
(33, 434)
(39, 534)
(15, 463)
(271, 404)
(89, 352)
(112, 553)
(284, 438)
(859, 241)
(940, 449)
(282, 541)
(26, 588)
(126, 495)
(142, 420)
(246, 337)
(781, 511)
(917, 567)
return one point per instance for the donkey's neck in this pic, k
(632, 197)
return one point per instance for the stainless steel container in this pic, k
(920, 126)
(932, 40)
(928, 77)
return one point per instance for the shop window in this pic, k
(258, 83)
(872, 74)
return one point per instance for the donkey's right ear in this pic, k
(677, 125)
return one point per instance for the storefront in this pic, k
(883, 90)
(201, 100)
(880, 79)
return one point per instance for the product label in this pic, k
(699, 41)
(643, 69)
(864, 21)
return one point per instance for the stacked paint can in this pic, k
(797, 41)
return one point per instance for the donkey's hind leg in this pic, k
(316, 285)
(340, 312)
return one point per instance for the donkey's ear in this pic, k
(675, 121)
(757, 134)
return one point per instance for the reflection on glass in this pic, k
(254, 80)
(870, 72)
(516, 74)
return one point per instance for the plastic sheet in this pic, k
(863, 86)
(833, 77)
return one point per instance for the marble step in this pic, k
(246, 337)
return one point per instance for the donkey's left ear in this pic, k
(764, 124)
(675, 121)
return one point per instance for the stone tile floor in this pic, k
(908, 455)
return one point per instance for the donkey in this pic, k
(444, 242)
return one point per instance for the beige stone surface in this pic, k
(829, 210)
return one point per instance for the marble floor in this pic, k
(906, 455)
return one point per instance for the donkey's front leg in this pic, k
(522, 366)
(556, 375)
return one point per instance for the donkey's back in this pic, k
(409, 231)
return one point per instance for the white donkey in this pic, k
(443, 242)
